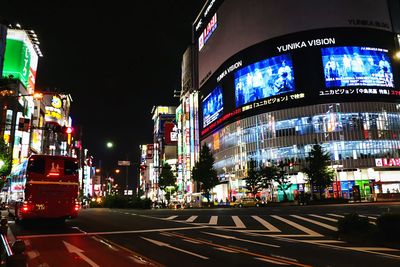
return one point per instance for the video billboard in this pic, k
(243, 23)
(213, 106)
(20, 59)
(356, 66)
(269, 77)
(306, 68)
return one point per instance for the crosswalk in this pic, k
(301, 225)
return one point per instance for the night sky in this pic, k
(116, 59)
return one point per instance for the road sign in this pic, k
(124, 163)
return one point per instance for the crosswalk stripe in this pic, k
(171, 217)
(191, 219)
(327, 226)
(213, 220)
(323, 217)
(298, 226)
(335, 215)
(369, 217)
(271, 261)
(238, 222)
(266, 224)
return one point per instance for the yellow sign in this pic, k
(56, 102)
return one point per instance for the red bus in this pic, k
(44, 186)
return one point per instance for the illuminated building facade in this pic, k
(269, 93)
(187, 128)
(165, 145)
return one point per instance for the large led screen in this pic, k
(269, 77)
(213, 106)
(356, 66)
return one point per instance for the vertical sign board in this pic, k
(20, 59)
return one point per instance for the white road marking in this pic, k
(79, 252)
(225, 250)
(238, 222)
(266, 224)
(373, 249)
(340, 247)
(105, 243)
(324, 218)
(171, 217)
(271, 261)
(162, 244)
(191, 219)
(369, 217)
(327, 226)
(327, 241)
(190, 241)
(306, 230)
(114, 233)
(213, 220)
(241, 239)
(138, 260)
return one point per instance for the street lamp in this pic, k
(117, 171)
(110, 145)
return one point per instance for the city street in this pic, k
(291, 236)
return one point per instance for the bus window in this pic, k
(70, 167)
(36, 165)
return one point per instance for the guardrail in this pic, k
(11, 256)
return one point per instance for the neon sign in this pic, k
(205, 35)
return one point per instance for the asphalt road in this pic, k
(267, 236)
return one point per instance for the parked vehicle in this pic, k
(175, 204)
(248, 202)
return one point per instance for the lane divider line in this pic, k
(243, 251)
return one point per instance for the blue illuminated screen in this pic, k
(269, 77)
(213, 106)
(356, 66)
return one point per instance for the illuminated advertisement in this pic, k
(299, 69)
(356, 66)
(205, 35)
(213, 106)
(266, 78)
(20, 59)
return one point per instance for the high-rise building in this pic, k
(165, 145)
(274, 77)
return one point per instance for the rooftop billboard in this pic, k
(20, 59)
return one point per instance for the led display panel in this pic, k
(269, 77)
(213, 106)
(356, 66)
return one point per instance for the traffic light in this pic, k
(67, 130)
(291, 165)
